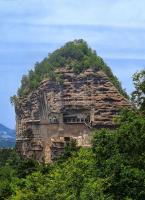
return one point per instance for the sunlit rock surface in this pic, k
(71, 108)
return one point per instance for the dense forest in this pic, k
(75, 55)
(114, 168)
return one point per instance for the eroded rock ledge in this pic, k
(57, 111)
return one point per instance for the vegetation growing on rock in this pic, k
(75, 55)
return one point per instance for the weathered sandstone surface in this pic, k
(57, 111)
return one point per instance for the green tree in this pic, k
(138, 96)
(26, 167)
(113, 169)
(120, 156)
(76, 55)
(74, 179)
(6, 176)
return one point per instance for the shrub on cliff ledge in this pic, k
(76, 55)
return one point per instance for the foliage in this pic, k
(9, 157)
(75, 55)
(70, 148)
(8, 163)
(73, 179)
(27, 167)
(113, 169)
(138, 96)
(6, 175)
(120, 156)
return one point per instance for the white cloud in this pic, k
(105, 12)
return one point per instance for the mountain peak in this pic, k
(75, 55)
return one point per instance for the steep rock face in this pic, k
(70, 108)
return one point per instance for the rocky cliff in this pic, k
(69, 108)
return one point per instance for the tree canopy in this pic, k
(113, 169)
(138, 96)
(76, 55)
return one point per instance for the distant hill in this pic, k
(7, 137)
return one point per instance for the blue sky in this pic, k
(31, 29)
